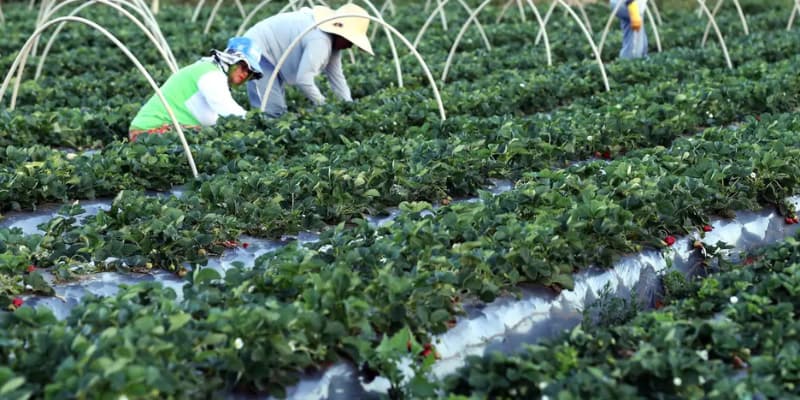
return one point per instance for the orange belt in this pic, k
(136, 132)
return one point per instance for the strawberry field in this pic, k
(377, 240)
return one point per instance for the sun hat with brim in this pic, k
(353, 29)
(242, 49)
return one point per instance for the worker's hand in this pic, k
(634, 15)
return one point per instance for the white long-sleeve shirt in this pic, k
(213, 99)
(314, 54)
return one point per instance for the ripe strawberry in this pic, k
(17, 302)
(426, 353)
(738, 363)
(597, 154)
(795, 220)
(245, 245)
(607, 155)
(31, 268)
(789, 220)
(669, 240)
(427, 346)
(708, 228)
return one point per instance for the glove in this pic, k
(634, 15)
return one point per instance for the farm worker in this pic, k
(200, 93)
(318, 51)
(634, 38)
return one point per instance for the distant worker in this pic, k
(200, 93)
(318, 51)
(634, 37)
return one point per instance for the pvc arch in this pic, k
(571, 12)
(714, 13)
(200, 4)
(405, 41)
(611, 16)
(170, 62)
(795, 10)
(47, 11)
(473, 16)
(214, 12)
(438, 9)
(26, 48)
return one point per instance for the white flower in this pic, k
(542, 385)
(703, 354)
(752, 175)
(589, 138)
(123, 397)
(521, 85)
(544, 397)
(734, 299)
(326, 248)
(702, 380)
(383, 260)
(238, 343)
(677, 381)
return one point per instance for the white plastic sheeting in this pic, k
(503, 325)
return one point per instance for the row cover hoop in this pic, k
(26, 49)
(795, 10)
(714, 13)
(296, 42)
(378, 14)
(46, 15)
(171, 63)
(543, 33)
(200, 4)
(439, 8)
(48, 10)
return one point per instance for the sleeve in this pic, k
(214, 88)
(336, 77)
(315, 56)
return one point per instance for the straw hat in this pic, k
(350, 28)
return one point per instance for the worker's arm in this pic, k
(336, 77)
(634, 15)
(214, 88)
(316, 53)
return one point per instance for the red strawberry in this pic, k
(669, 240)
(789, 220)
(427, 346)
(795, 220)
(597, 154)
(17, 302)
(245, 245)
(607, 155)
(426, 352)
(708, 228)
(738, 363)
(31, 268)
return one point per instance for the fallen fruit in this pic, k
(708, 228)
(17, 302)
(245, 245)
(669, 240)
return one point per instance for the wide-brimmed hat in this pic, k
(353, 29)
(241, 49)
